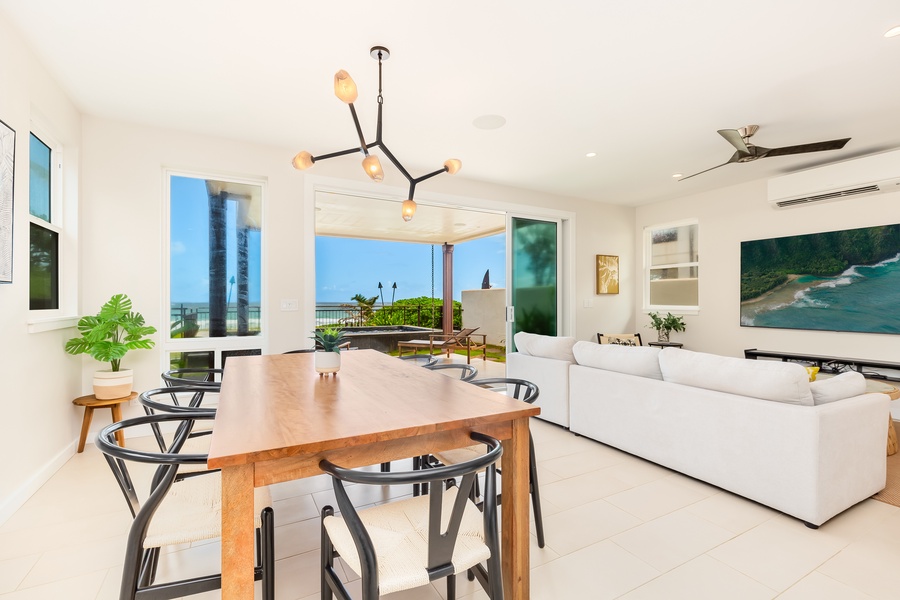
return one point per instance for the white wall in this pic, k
(486, 310)
(40, 425)
(740, 213)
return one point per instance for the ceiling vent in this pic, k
(874, 174)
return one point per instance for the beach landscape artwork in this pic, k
(845, 280)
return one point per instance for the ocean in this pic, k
(864, 299)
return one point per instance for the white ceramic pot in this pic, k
(327, 362)
(109, 385)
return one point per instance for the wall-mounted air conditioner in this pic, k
(874, 174)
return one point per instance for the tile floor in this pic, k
(616, 527)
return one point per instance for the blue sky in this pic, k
(345, 267)
(189, 245)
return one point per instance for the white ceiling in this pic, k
(365, 217)
(644, 84)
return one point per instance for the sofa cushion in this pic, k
(632, 360)
(766, 379)
(545, 346)
(845, 385)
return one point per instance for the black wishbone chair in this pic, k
(525, 391)
(466, 372)
(180, 508)
(198, 377)
(180, 400)
(409, 543)
(423, 360)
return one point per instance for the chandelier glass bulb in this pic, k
(345, 87)
(303, 160)
(373, 169)
(408, 209)
(453, 165)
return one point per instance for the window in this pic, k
(671, 267)
(215, 274)
(44, 229)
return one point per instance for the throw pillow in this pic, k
(642, 361)
(845, 385)
(545, 346)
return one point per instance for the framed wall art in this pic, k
(7, 174)
(845, 280)
(607, 274)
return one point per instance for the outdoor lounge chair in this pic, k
(438, 343)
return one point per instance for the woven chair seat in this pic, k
(461, 455)
(192, 511)
(399, 532)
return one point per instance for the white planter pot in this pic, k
(109, 385)
(327, 362)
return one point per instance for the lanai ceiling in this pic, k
(644, 85)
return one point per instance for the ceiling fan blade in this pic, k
(707, 170)
(803, 148)
(734, 158)
(735, 138)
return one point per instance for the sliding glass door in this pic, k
(534, 291)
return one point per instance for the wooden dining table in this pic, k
(277, 419)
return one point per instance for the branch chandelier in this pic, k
(345, 90)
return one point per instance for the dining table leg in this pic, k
(237, 532)
(515, 536)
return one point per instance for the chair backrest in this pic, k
(419, 359)
(193, 377)
(301, 351)
(441, 542)
(460, 336)
(621, 339)
(180, 400)
(466, 372)
(168, 459)
(520, 389)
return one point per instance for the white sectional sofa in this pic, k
(756, 428)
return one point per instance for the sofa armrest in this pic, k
(552, 378)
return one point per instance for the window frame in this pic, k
(648, 267)
(206, 344)
(63, 222)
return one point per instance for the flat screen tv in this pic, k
(834, 281)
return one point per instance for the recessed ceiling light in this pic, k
(489, 122)
(677, 175)
(591, 154)
(892, 32)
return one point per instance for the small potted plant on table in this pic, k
(328, 357)
(107, 337)
(665, 325)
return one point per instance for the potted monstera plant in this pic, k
(328, 357)
(107, 337)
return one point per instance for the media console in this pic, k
(873, 369)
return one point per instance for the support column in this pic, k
(447, 322)
(243, 269)
(217, 266)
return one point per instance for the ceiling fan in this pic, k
(747, 152)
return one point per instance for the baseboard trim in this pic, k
(21, 495)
